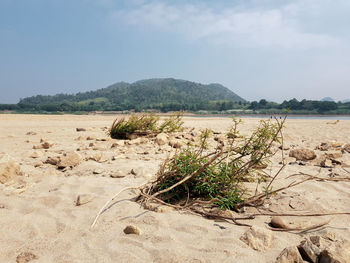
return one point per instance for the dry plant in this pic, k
(196, 175)
(144, 124)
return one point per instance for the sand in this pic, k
(38, 212)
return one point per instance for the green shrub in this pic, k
(217, 175)
(143, 124)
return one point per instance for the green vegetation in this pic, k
(143, 124)
(159, 94)
(197, 174)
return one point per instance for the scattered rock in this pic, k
(83, 199)
(175, 144)
(69, 160)
(302, 154)
(98, 157)
(326, 163)
(98, 171)
(44, 145)
(31, 133)
(132, 230)
(285, 147)
(133, 172)
(52, 160)
(25, 257)
(161, 139)
(80, 129)
(334, 154)
(117, 144)
(277, 222)
(289, 255)
(336, 144)
(9, 170)
(35, 155)
(257, 238)
(324, 146)
(118, 174)
(347, 147)
(90, 138)
(136, 141)
(91, 144)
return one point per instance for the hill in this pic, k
(164, 94)
(327, 99)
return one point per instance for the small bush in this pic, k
(216, 175)
(143, 124)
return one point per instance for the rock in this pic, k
(80, 129)
(132, 230)
(309, 251)
(347, 147)
(98, 157)
(133, 172)
(277, 222)
(326, 163)
(98, 171)
(25, 257)
(91, 138)
(118, 174)
(257, 238)
(71, 159)
(91, 144)
(31, 133)
(302, 154)
(324, 146)
(161, 139)
(117, 144)
(84, 199)
(35, 155)
(136, 141)
(52, 160)
(175, 144)
(9, 170)
(289, 255)
(334, 154)
(336, 144)
(285, 147)
(337, 253)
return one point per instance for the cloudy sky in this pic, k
(272, 49)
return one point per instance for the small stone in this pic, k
(257, 238)
(334, 154)
(69, 160)
(175, 144)
(277, 222)
(161, 139)
(336, 144)
(90, 138)
(324, 146)
(136, 141)
(118, 143)
(83, 199)
(91, 144)
(133, 172)
(132, 230)
(35, 155)
(285, 147)
(302, 154)
(289, 255)
(98, 171)
(52, 160)
(347, 147)
(117, 174)
(31, 133)
(25, 257)
(80, 129)
(326, 163)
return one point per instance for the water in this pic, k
(293, 117)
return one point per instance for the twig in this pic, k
(301, 229)
(110, 200)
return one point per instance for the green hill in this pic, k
(163, 94)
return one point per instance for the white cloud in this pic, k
(280, 26)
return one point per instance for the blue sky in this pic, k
(258, 48)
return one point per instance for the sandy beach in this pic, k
(39, 214)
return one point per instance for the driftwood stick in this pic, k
(110, 200)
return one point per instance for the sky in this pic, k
(271, 49)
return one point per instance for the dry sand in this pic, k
(38, 212)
